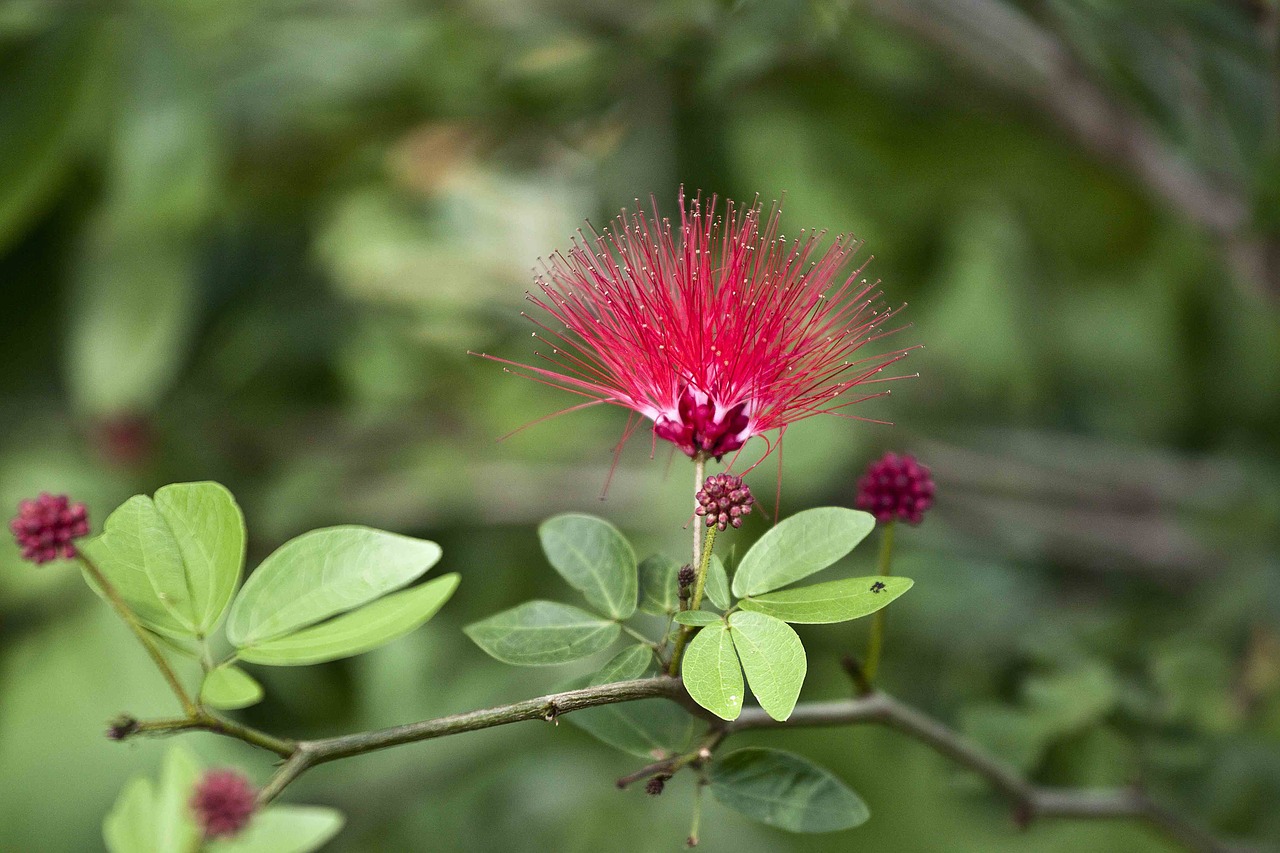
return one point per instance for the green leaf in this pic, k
(595, 559)
(798, 546)
(129, 826)
(175, 560)
(540, 633)
(209, 528)
(46, 94)
(772, 657)
(156, 819)
(717, 585)
(785, 790)
(358, 631)
(712, 674)
(649, 728)
(626, 665)
(283, 829)
(320, 574)
(139, 556)
(659, 587)
(697, 617)
(229, 687)
(834, 601)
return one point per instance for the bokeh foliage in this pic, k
(252, 241)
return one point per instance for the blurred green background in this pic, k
(252, 241)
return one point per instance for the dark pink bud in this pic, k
(723, 500)
(46, 526)
(896, 487)
(224, 802)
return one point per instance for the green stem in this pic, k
(704, 564)
(122, 610)
(876, 643)
(699, 469)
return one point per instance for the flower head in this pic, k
(896, 487)
(223, 802)
(723, 500)
(715, 328)
(46, 526)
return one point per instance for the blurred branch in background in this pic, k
(1014, 50)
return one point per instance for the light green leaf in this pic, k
(540, 633)
(175, 830)
(772, 657)
(323, 573)
(649, 728)
(697, 617)
(229, 687)
(717, 585)
(139, 556)
(834, 601)
(626, 665)
(798, 546)
(283, 829)
(209, 528)
(659, 587)
(130, 825)
(358, 631)
(594, 558)
(785, 790)
(712, 674)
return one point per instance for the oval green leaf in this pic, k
(595, 559)
(712, 674)
(649, 728)
(659, 587)
(229, 687)
(798, 546)
(320, 574)
(358, 631)
(697, 618)
(626, 665)
(156, 819)
(282, 829)
(772, 657)
(541, 633)
(209, 528)
(139, 556)
(785, 790)
(824, 603)
(717, 585)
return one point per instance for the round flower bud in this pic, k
(46, 526)
(896, 486)
(723, 500)
(223, 803)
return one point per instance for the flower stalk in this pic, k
(876, 644)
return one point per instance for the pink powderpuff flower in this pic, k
(223, 803)
(716, 329)
(45, 527)
(896, 487)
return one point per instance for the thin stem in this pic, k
(701, 558)
(122, 610)
(699, 469)
(876, 644)
(695, 825)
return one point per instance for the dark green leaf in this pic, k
(659, 589)
(594, 558)
(785, 790)
(540, 633)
